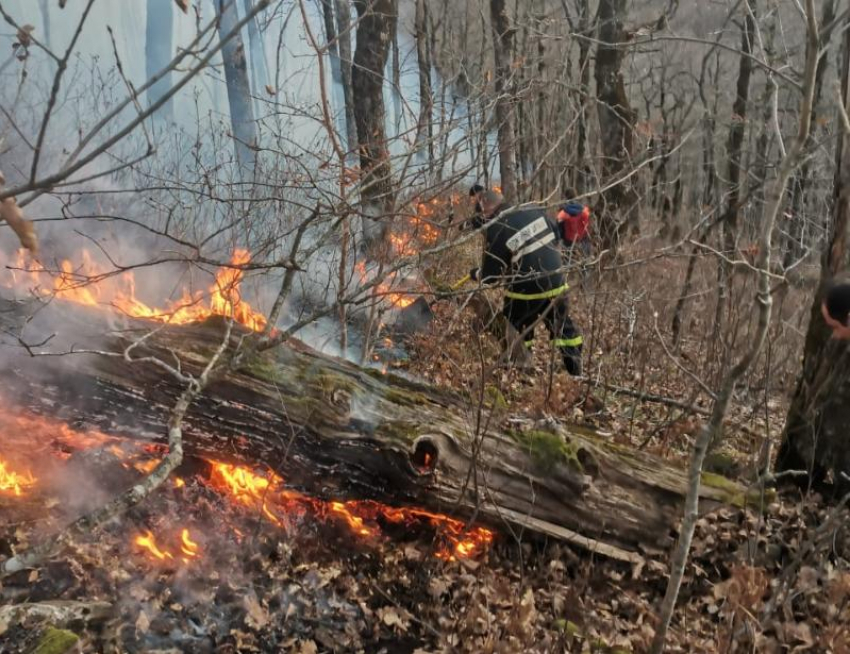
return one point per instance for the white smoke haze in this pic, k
(173, 216)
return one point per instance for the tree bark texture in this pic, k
(159, 37)
(337, 430)
(425, 125)
(238, 88)
(815, 437)
(259, 68)
(616, 122)
(337, 87)
(503, 51)
(343, 30)
(374, 34)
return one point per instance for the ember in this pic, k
(92, 285)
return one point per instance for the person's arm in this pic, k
(495, 260)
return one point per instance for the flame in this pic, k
(148, 542)
(13, 482)
(246, 486)
(92, 285)
(262, 492)
(362, 517)
(355, 522)
(188, 546)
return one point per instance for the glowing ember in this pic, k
(148, 542)
(92, 285)
(14, 483)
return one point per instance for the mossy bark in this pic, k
(334, 429)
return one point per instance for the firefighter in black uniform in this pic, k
(522, 253)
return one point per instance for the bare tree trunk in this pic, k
(424, 127)
(238, 88)
(793, 249)
(259, 68)
(395, 87)
(337, 86)
(763, 304)
(735, 177)
(582, 169)
(503, 46)
(343, 25)
(815, 437)
(374, 34)
(159, 35)
(616, 122)
(45, 21)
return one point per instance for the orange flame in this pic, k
(188, 547)
(362, 517)
(148, 542)
(92, 285)
(13, 482)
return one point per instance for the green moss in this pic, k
(399, 430)
(264, 368)
(495, 399)
(56, 641)
(404, 397)
(734, 493)
(547, 449)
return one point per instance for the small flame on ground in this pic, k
(188, 546)
(148, 542)
(15, 483)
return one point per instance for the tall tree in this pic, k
(238, 87)
(337, 90)
(425, 124)
(793, 249)
(374, 34)
(343, 27)
(735, 177)
(259, 68)
(503, 50)
(159, 36)
(616, 121)
(815, 437)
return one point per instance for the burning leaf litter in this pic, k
(12, 482)
(262, 494)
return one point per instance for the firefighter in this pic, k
(836, 309)
(522, 253)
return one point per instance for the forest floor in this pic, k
(769, 580)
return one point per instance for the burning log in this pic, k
(338, 431)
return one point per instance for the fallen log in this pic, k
(336, 430)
